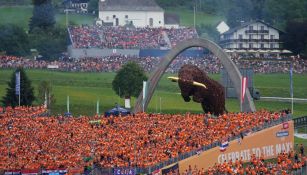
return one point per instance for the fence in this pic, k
(300, 122)
(149, 170)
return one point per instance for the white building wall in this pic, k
(254, 36)
(139, 18)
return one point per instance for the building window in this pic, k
(262, 37)
(262, 27)
(272, 45)
(240, 46)
(150, 22)
(272, 37)
(240, 36)
(107, 18)
(126, 16)
(159, 22)
(250, 45)
(251, 28)
(261, 46)
(250, 36)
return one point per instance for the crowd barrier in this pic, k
(98, 52)
(161, 53)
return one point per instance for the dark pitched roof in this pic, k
(170, 18)
(129, 5)
(249, 23)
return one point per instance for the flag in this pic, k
(68, 104)
(17, 87)
(45, 103)
(291, 80)
(223, 146)
(97, 112)
(144, 93)
(243, 88)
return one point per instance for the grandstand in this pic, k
(93, 41)
(143, 142)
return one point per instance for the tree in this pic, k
(93, 6)
(14, 40)
(45, 95)
(239, 12)
(129, 80)
(50, 43)
(43, 15)
(295, 38)
(26, 91)
(207, 31)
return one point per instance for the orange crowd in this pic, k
(286, 164)
(31, 142)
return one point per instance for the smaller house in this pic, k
(140, 13)
(255, 37)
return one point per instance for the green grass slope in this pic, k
(187, 17)
(85, 89)
(21, 15)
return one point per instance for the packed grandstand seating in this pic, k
(209, 63)
(128, 38)
(139, 140)
(287, 163)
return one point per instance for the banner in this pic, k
(157, 172)
(17, 86)
(124, 171)
(127, 103)
(278, 139)
(171, 170)
(224, 146)
(54, 172)
(12, 172)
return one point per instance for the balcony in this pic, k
(249, 40)
(256, 31)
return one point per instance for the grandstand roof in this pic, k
(129, 5)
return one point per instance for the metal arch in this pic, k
(231, 68)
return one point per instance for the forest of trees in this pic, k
(290, 16)
(276, 12)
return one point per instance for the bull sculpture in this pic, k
(194, 82)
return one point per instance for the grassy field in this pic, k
(85, 89)
(187, 17)
(21, 15)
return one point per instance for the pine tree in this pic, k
(26, 91)
(43, 15)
